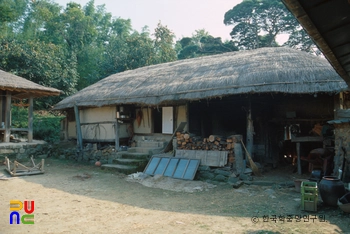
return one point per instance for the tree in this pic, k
(43, 63)
(10, 11)
(202, 44)
(258, 22)
(42, 22)
(300, 40)
(163, 44)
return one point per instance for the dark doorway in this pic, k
(157, 118)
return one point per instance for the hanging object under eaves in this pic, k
(178, 168)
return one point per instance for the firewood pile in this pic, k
(186, 141)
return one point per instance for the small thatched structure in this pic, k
(265, 70)
(15, 87)
(23, 88)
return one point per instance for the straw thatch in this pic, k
(22, 88)
(265, 70)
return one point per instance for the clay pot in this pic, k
(331, 189)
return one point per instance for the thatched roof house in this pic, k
(23, 88)
(265, 70)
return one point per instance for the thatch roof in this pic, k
(22, 88)
(265, 70)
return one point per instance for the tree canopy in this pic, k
(70, 48)
(74, 46)
(257, 23)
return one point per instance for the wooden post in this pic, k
(187, 117)
(8, 117)
(250, 129)
(299, 159)
(30, 120)
(79, 135)
(116, 128)
(66, 129)
(239, 155)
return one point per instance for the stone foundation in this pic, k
(22, 150)
(342, 150)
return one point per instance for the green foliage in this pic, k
(19, 117)
(45, 126)
(256, 23)
(163, 44)
(202, 44)
(43, 63)
(11, 10)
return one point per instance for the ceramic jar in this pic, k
(331, 189)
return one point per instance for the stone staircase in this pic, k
(135, 159)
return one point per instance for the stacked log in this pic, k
(186, 141)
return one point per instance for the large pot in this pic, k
(331, 189)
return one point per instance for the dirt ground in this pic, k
(78, 198)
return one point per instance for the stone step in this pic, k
(133, 155)
(131, 162)
(125, 169)
(150, 144)
(144, 149)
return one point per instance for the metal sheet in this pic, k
(179, 168)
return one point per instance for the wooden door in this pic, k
(168, 122)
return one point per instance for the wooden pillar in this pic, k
(299, 159)
(8, 117)
(116, 127)
(30, 120)
(250, 128)
(240, 168)
(77, 122)
(188, 117)
(66, 129)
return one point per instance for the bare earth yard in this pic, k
(77, 198)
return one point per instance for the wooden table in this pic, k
(299, 140)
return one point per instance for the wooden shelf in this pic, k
(307, 139)
(297, 120)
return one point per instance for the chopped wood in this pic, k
(213, 138)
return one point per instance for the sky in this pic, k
(182, 17)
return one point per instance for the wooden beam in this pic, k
(30, 119)
(66, 129)
(116, 127)
(78, 126)
(299, 158)
(250, 128)
(240, 168)
(8, 117)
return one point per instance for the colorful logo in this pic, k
(15, 206)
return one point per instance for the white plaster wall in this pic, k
(146, 122)
(72, 132)
(100, 114)
(95, 129)
(106, 131)
(182, 116)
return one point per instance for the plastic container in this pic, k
(308, 187)
(309, 202)
(309, 195)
